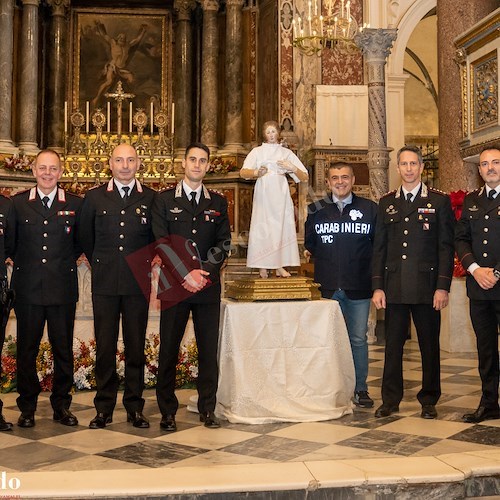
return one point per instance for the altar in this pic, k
(284, 361)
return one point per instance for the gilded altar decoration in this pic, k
(485, 89)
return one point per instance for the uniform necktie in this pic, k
(125, 190)
(340, 204)
(45, 201)
(492, 194)
(193, 199)
(408, 197)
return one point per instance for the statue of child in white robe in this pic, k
(272, 241)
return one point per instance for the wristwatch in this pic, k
(496, 271)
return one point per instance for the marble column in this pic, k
(376, 46)
(234, 91)
(210, 50)
(6, 61)
(28, 78)
(454, 17)
(183, 74)
(56, 75)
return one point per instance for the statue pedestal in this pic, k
(293, 288)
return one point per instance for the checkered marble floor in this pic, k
(349, 441)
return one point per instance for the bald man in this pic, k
(116, 222)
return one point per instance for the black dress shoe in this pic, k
(65, 417)
(4, 426)
(429, 411)
(138, 419)
(101, 420)
(26, 419)
(209, 419)
(482, 413)
(385, 410)
(168, 423)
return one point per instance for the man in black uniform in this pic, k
(5, 208)
(477, 240)
(192, 228)
(412, 271)
(45, 280)
(116, 222)
(339, 233)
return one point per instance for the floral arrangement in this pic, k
(457, 202)
(17, 163)
(84, 364)
(219, 166)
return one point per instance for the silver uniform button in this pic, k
(194, 218)
(121, 249)
(407, 219)
(44, 261)
(45, 235)
(403, 257)
(485, 229)
(405, 231)
(123, 212)
(44, 247)
(121, 236)
(485, 254)
(486, 216)
(45, 222)
(122, 223)
(194, 231)
(405, 244)
(485, 242)
(194, 243)
(194, 258)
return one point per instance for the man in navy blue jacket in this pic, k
(339, 235)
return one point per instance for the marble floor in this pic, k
(356, 456)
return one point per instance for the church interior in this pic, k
(82, 76)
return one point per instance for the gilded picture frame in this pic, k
(122, 46)
(484, 92)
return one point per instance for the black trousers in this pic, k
(31, 321)
(485, 316)
(427, 323)
(133, 311)
(2, 340)
(206, 328)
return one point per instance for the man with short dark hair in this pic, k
(191, 226)
(339, 233)
(45, 281)
(115, 223)
(477, 241)
(412, 270)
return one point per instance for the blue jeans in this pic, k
(355, 314)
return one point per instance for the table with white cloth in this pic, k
(284, 361)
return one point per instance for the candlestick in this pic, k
(65, 117)
(151, 113)
(321, 25)
(87, 115)
(130, 120)
(108, 105)
(173, 118)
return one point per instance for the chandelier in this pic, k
(336, 30)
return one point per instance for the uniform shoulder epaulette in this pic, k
(389, 193)
(437, 191)
(22, 192)
(95, 186)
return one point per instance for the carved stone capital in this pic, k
(59, 7)
(35, 3)
(209, 5)
(184, 8)
(376, 43)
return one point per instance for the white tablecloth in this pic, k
(284, 361)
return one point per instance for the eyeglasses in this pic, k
(410, 163)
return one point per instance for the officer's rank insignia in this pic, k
(391, 210)
(176, 210)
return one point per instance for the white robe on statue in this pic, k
(272, 242)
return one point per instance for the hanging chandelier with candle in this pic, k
(313, 31)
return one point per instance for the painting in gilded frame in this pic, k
(112, 47)
(484, 88)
